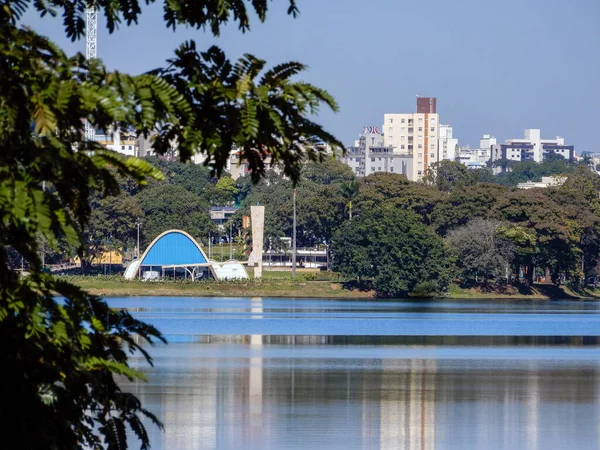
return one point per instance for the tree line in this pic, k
(397, 236)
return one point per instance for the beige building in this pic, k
(415, 134)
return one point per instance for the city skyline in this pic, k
(493, 70)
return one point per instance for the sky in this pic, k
(496, 67)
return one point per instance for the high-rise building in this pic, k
(414, 134)
(447, 145)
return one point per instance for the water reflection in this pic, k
(257, 395)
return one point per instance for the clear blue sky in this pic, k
(496, 67)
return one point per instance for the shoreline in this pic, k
(118, 287)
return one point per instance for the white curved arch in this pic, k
(175, 231)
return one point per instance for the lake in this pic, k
(244, 373)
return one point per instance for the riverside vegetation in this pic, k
(389, 235)
(61, 357)
(60, 193)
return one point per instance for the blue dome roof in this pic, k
(173, 248)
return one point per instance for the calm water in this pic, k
(324, 374)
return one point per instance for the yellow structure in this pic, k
(112, 257)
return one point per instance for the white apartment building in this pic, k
(475, 158)
(369, 155)
(531, 148)
(413, 134)
(447, 145)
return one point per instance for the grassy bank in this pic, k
(273, 285)
(306, 285)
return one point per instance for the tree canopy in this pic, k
(59, 358)
(393, 249)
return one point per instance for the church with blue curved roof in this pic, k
(175, 254)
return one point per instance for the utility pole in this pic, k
(137, 223)
(230, 239)
(294, 234)
(137, 251)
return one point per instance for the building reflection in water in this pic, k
(295, 392)
(407, 406)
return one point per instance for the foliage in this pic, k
(226, 186)
(448, 175)
(229, 105)
(112, 224)
(349, 191)
(168, 207)
(482, 256)
(330, 171)
(524, 171)
(395, 189)
(59, 358)
(393, 249)
(464, 204)
(319, 202)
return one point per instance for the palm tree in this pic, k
(350, 191)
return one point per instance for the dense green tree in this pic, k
(226, 187)
(59, 359)
(172, 207)
(330, 171)
(112, 225)
(524, 171)
(394, 250)
(557, 238)
(448, 175)
(464, 204)
(395, 189)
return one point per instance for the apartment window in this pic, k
(379, 159)
(391, 169)
(432, 155)
(122, 147)
(402, 147)
(433, 129)
(372, 159)
(420, 119)
(420, 163)
(402, 129)
(420, 146)
(410, 130)
(401, 138)
(130, 147)
(410, 121)
(391, 137)
(410, 147)
(420, 156)
(402, 120)
(419, 172)
(391, 120)
(379, 168)
(420, 138)
(432, 119)
(432, 146)
(420, 128)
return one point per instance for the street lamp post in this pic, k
(294, 235)
(138, 223)
(230, 239)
